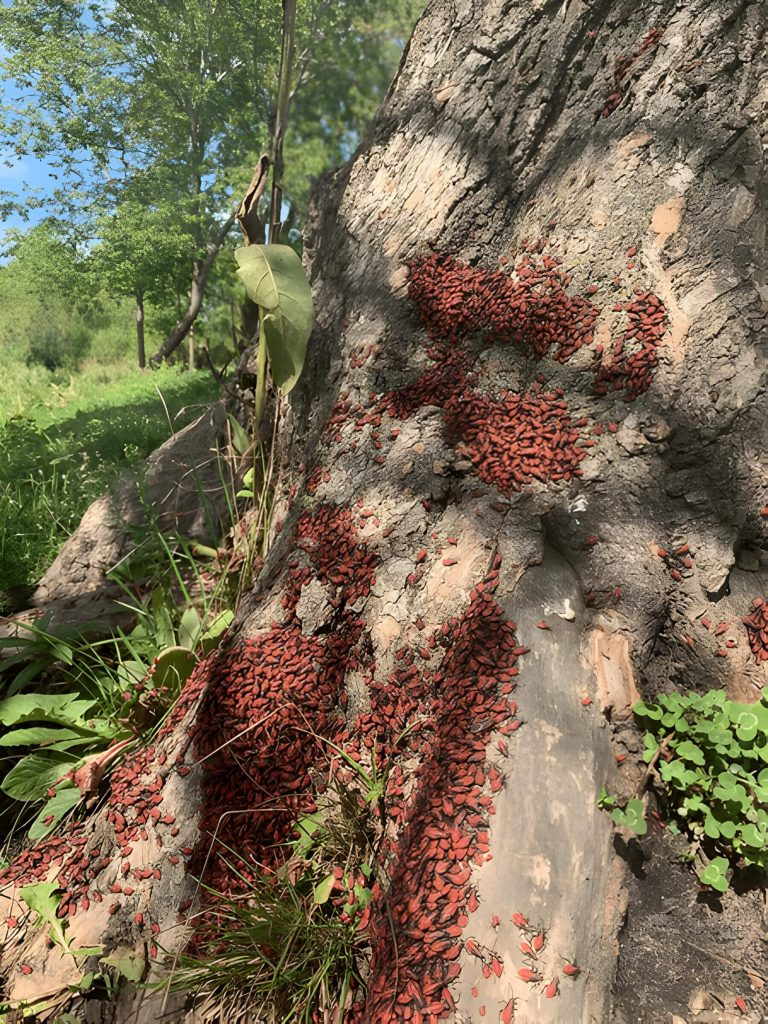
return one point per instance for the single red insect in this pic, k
(571, 970)
(26, 969)
(542, 625)
(528, 975)
(586, 701)
(538, 941)
(741, 1004)
(519, 920)
(507, 1015)
(139, 918)
(551, 990)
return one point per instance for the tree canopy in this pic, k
(152, 115)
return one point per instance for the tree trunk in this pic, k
(140, 328)
(200, 271)
(533, 378)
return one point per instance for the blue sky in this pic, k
(29, 172)
(26, 173)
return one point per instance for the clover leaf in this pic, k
(714, 874)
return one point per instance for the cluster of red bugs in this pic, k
(633, 358)
(443, 810)
(511, 439)
(456, 301)
(718, 631)
(134, 811)
(291, 686)
(621, 67)
(532, 944)
(679, 562)
(757, 629)
(517, 437)
(271, 697)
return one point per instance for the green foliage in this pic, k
(43, 900)
(275, 281)
(632, 817)
(152, 116)
(70, 449)
(293, 945)
(91, 699)
(712, 756)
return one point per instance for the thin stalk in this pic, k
(261, 375)
(285, 75)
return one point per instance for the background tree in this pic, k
(140, 254)
(176, 92)
(47, 299)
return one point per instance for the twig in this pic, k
(652, 764)
(724, 960)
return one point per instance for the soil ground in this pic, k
(686, 955)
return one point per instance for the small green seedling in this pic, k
(631, 817)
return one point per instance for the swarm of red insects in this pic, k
(621, 68)
(633, 357)
(757, 629)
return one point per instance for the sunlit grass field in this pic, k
(64, 439)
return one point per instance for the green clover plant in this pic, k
(712, 760)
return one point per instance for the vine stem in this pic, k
(261, 374)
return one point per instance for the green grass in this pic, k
(65, 438)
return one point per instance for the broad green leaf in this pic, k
(61, 803)
(127, 962)
(211, 638)
(31, 707)
(690, 752)
(164, 635)
(37, 735)
(130, 672)
(44, 899)
(644, 710)
(727, 829)
(173, 666)
(632, 817)
(275, 280)
(711, 827)
(189, 628)
(32, 776)
(714, 874)
(306, 827)
(323, 890)
(752, 836)
(240, 440)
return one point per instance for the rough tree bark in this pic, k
(605, 158)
